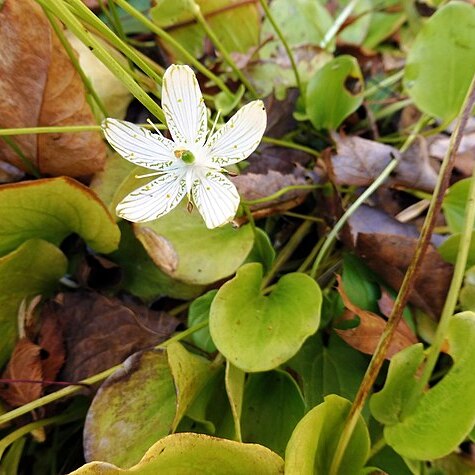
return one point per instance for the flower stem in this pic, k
(75, 62)
(279, 193)
(293, 145)
(220, 47)
(132, 54)
(408, 281)
(69, 390)
(337, 24)
(27, 163)
(282, 38)
(61, 11)
(332, 235)
(161, 33)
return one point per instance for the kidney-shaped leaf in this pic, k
(443, 416)
(183, 247)
(32, 269)
(334, 92)
(441, 62)
(133, 409)
(52, 208)
(313, 443)
(186, 453)
(258, 332)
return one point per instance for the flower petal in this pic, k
(153, 200)
(139, 145)
(239, 137)
(184, 106)
(216, 198)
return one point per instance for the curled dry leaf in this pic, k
(366, 335)
(24, 364)
(40, 87)
(101, 332)
(359, 161)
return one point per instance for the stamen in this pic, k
(214, 124)
(153, 125)
(189, 206)
(149, 174)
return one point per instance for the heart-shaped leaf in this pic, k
(32, 269)
(441, 62)
(329, 100)
(184, 248)
(257, 332)
(197, 453)
(51, 209)
(313, 443)
(440, 419)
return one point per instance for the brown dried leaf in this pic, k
(51, 342)
(25, 363)
(359, 161)
(101, 332)
(366, 335)
(390, 256)
(40, 87)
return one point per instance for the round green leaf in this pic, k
(259, 332)
(32, 269)
(441, 62)
(334, 92)
(51, 209)
(454, 204)
(184, 454)
(443, 416)
(272, 407)
(313, 443)
(184, 248)
(133, 409)
(199, 312)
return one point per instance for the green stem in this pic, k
(462, 256)
(169, 39)
(389, 81)
(61, 11)
(424, 240)
(293, 145)
(221, 48)
(70, 390)
(337, 24)
(64, 129)
(287, 251)
(74, 60)
(281, 36)
(135, 56)
(27, 163)
(332, 235)
(279, 193)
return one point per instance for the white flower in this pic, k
(192, 163)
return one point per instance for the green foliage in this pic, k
(32, 269)
(257, 332)
(441, 62)
(334, 92)
(313, 443)
(432, 424)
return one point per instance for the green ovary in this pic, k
(187, 157)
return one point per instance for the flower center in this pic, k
(185, 155)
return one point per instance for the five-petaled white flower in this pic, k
(190, 164)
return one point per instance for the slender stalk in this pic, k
(293, 145)
(64, 129)
(287, 251)
(120, 44)
(332, 235)
(161, 33)
(281, 36)
(279, 193)
(389, 81)
(70, 390)
(335, 28)
(61, 11)
(27, 163)
(460, 264)
(75, 62)
(408, 281)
